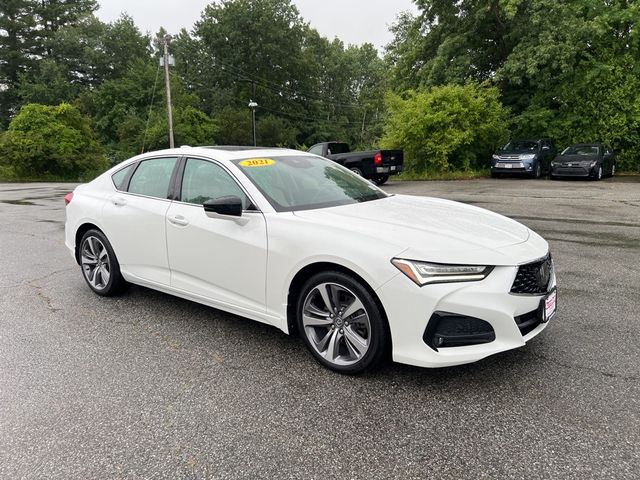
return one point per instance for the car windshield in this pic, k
(294, 182)
(581, 150)
(521, 146)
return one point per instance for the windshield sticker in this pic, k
(257, 162)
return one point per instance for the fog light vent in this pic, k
(453, 330)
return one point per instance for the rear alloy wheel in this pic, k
(340, 323)
(99, 265)
(356, 170)
(381, 179)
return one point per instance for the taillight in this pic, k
(67, 198)
(377, 159)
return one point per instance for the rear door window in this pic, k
(152, 177)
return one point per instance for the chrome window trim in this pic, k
(136, 163)
(233, 177)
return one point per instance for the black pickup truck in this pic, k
(374, 165)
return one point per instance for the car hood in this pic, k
(433, 229)
(515, 152)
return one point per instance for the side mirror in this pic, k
(229, 205)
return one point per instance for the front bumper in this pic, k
(525, 168)
(409, 309)
(573, 171)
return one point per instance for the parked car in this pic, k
(374, 165)
(301, 243)
(524, 157)
(588, 160)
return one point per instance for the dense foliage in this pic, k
(566, 70)
(458, 78)
(446, 128)
(51, 142)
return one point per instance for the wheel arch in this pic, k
(306, 272)
(82, 229)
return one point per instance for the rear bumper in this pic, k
(388, 170)
(410, 308)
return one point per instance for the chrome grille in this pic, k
(533, 278)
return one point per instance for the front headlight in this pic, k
(424, 273)
(495, 157)
(593, 164)
(527, 156)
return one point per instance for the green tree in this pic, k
(567, 70)
(234, 126)
(51, 141)
(17, 49)
(445, 128)
(274, 131)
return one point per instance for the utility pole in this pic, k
(253, 105)
(167, 39)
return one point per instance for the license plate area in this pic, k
(548, 306)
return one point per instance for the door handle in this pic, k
(178, 220)
(119, 201)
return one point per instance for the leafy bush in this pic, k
(54, 142)
(454, 127)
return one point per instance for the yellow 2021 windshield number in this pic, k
(257, 162)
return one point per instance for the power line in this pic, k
(316, 120)
(153, 94)
(279, 88)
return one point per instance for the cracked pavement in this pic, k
(150, 386)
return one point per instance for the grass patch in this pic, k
(458, 175)
(8, 175)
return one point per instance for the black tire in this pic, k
(108, 263)
(494, 175)
(378, 331)
(381, 179)
(356, 170)
(538, 171)
(598, 174)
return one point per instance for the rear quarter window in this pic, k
(120, 176)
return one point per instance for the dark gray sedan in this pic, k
(589, 160)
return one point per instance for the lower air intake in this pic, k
(452, 330)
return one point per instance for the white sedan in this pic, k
(296, 241)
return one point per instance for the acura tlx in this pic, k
(299, 242)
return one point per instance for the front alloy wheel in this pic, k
(341, 323)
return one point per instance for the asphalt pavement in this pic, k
(151, 386)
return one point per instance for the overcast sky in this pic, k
(353, 21)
